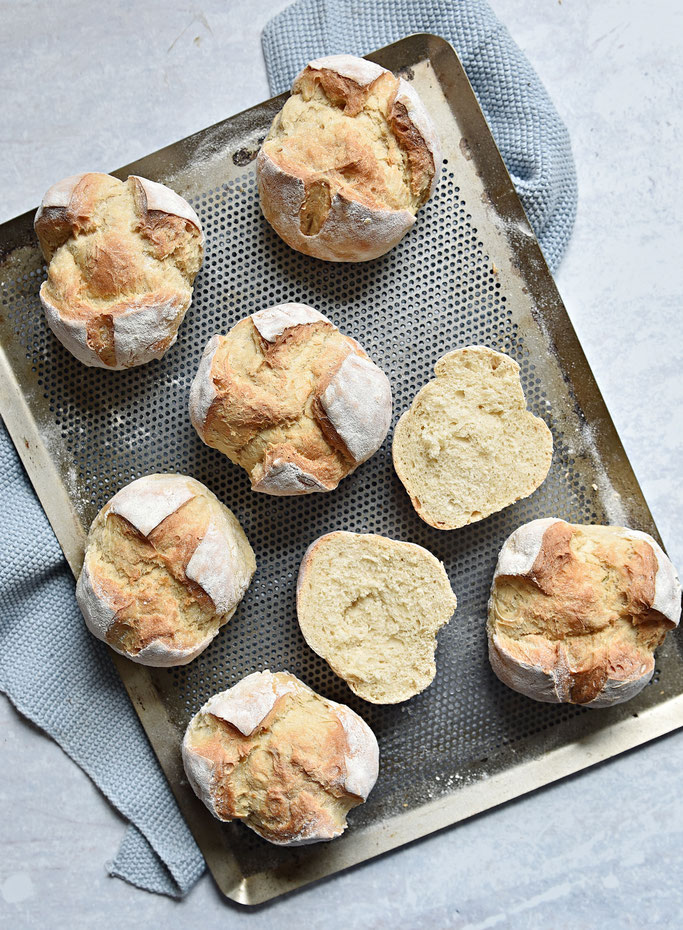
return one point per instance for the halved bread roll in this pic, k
(576, 612)
(166, 564)
(348, 161)
(467, 446)
(371, 607)
(122, 257)
(287, 762)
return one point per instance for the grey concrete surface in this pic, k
(95, 86)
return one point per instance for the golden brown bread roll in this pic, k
(576, 612)
(122, 257)
(348, 161)
(291, 399)
(166, 565)
(284, 760)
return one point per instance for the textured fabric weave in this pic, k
(54, 671)
(62, 678)
(531, 137)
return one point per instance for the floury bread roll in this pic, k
(467, 446)
(348, 161)
(284, 760)
(292, 400)
(576, 612)
(166, 565)
(122, 257)
(371, 607)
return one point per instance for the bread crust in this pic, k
(101, 299)
(317, 425)
(158, 585)
(622, 610)
(322, 766)
(352, 232)
(354, 224)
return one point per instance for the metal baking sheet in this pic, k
(469, 272)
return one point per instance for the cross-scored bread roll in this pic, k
(467, 446)
(166, 565)
(371, 607)
(286, 761)
(348, 161)
(122, 257)
(576, 612)
(291, 399)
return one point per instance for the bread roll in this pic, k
(576, 612)
(166, 565)
(284, 760)
(467, 446)
(122, 257)
(348, 161)
(290, 399)
(371, 607)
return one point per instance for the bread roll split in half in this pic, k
(286, 761)
(291, 399)
(122, 257)
(348, 161)
(467, 446)
(166, 565)
(371, 607)
(576, 612)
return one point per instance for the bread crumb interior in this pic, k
(467, 447)
(372, 607)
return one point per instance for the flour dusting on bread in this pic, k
(291, 399)
(576, 612)
(287, 762)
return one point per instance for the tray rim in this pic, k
(467, 800)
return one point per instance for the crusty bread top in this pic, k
(291, 399)
(467, 447)
(285, 760)
(348, 161)
(122, 255)
(165, 566)
(371, 607)
(405, 114)
(577, 611)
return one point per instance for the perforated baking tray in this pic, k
(469, 272)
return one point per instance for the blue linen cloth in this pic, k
(62, 678)
(52, 669)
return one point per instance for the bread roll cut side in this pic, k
(371, 607)
(467, 447)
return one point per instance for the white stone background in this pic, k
(93, 86)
